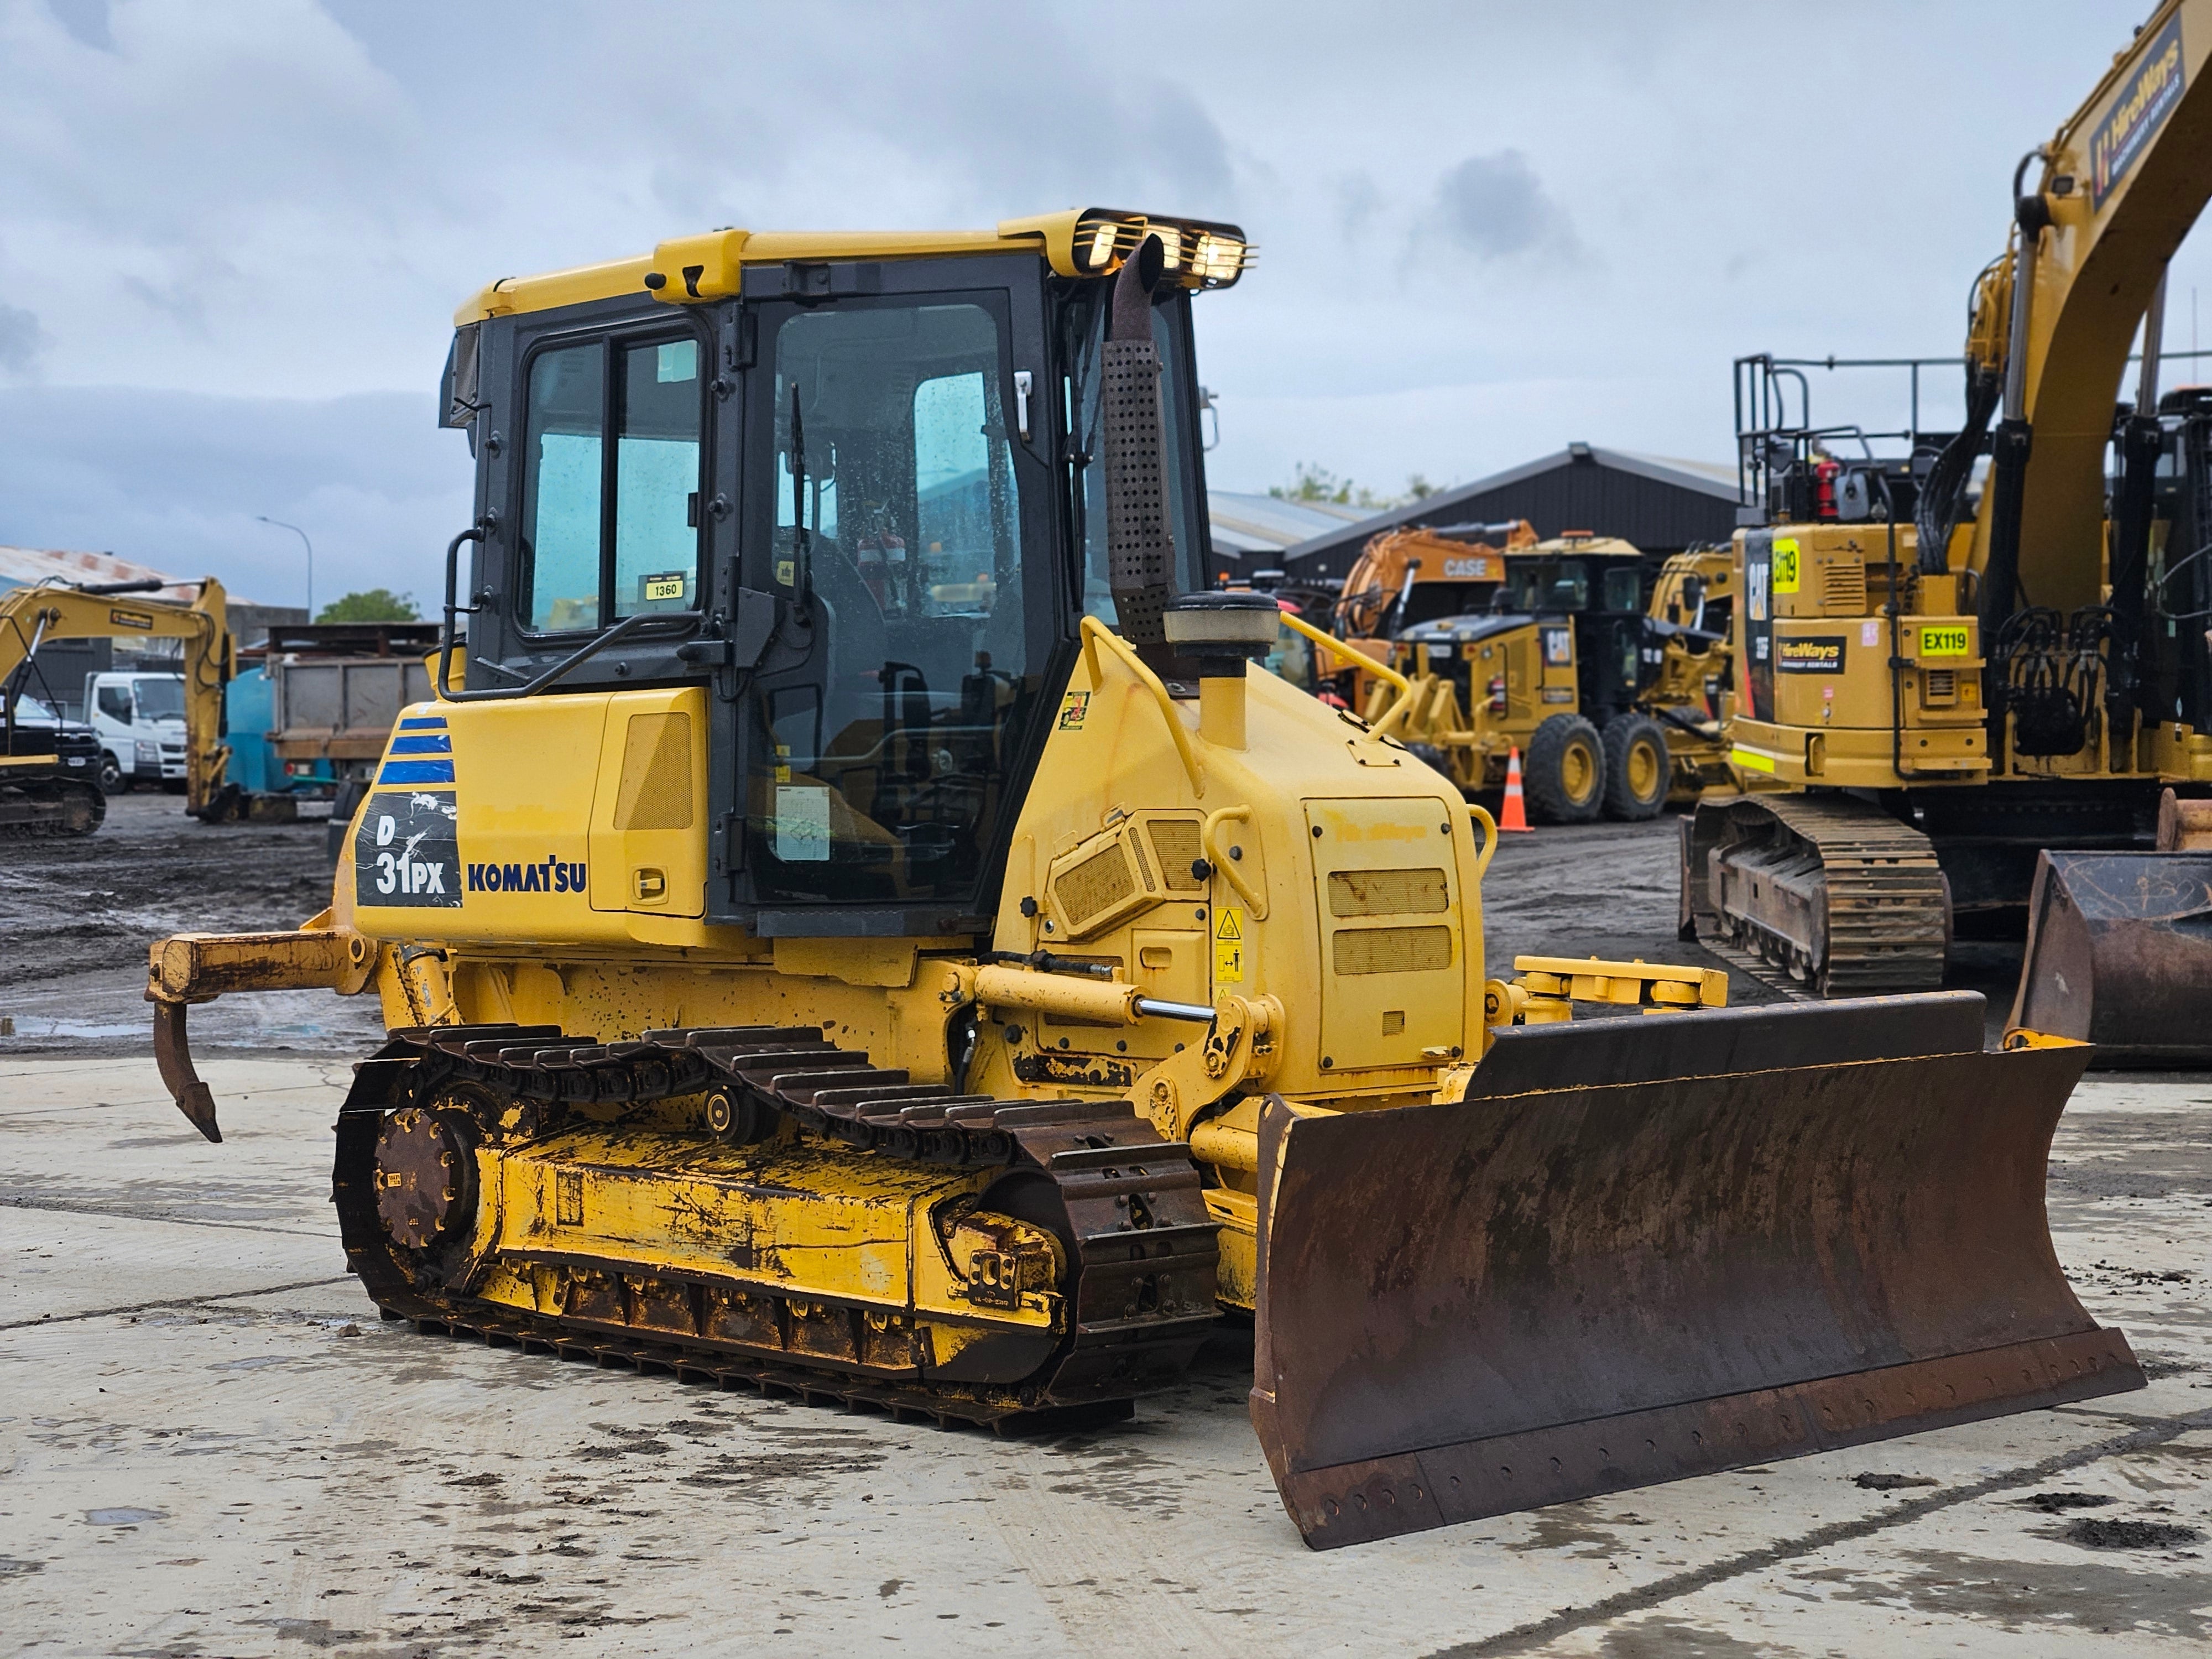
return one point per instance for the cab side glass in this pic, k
(1623, 590)
(561, 484)
(657, 479)
(115, 702)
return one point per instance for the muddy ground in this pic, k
(78, 914)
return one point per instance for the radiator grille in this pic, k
(656, 774)
(1099, 882)
(1844, 589)
(1386, 892)
(1391, 950)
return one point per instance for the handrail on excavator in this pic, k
(1393, 716)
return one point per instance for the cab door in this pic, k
(899, 504)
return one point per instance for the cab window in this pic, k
(610, 530)
(1623, 590)
(881, 774)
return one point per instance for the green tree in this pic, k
(1317, 484)
(376, 605)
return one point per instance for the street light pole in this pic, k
(302, 534)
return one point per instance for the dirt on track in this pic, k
(76, 914)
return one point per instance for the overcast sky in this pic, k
(233, 235)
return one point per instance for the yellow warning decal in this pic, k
(1073, 708)
(1749, 760)
(1786, 564)
(1943, 642)
(1229, 946)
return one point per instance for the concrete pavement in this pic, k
(210, 1444)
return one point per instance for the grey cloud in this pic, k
(174, 479)
(22, 342)
(1497, 206)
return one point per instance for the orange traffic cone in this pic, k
(1515, 816)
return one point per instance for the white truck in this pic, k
(139, 717)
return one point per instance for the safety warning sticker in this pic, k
(1229, 946)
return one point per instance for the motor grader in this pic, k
(1610, 700)
(820, 953)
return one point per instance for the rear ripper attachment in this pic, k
(752, 1205)
(1640, 1249)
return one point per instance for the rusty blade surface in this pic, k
(2119, 954)
(1647, 1248)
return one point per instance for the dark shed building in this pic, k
(1661, 506)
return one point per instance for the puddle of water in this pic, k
(122, 1517)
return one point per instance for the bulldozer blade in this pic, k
(1645, 1249)
(2119, 955)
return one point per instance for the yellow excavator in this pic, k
(822, 953)
(1927, 698)
(39, 791)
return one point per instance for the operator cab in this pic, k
(862, 498)
(1581, 594)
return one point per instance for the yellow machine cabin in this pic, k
(859, 922)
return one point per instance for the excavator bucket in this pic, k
(2119, 955)
(1643, 1248)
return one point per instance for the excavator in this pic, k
(41, 794)
(820, 953)
(1926, 699)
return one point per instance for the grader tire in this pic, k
(1564, 778)
(1639, 770)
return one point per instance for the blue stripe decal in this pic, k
(436, 723)
(441, 771)
(436, 743)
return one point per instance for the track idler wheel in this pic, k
(736, 1121)
(426, 1181)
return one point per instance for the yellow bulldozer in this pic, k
(1612, 700)
(822, 954)
(1933, 690)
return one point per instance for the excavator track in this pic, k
(1140, 1292)
(1831, 891)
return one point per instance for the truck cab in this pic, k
(139, 719)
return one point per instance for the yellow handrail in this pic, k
(1489, 839)
(1254, 900)
(1397, 711)
(1094, 633)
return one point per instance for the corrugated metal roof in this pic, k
(1712, 479)
(1261, 526)
(25, 567)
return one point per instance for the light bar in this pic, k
(1198, 254)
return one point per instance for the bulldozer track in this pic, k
(1887, 922)
(1139, 1296)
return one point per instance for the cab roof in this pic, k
(1078, 242)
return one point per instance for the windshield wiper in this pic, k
(802, 549)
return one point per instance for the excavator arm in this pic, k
(34, 617)
(2117, 190)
